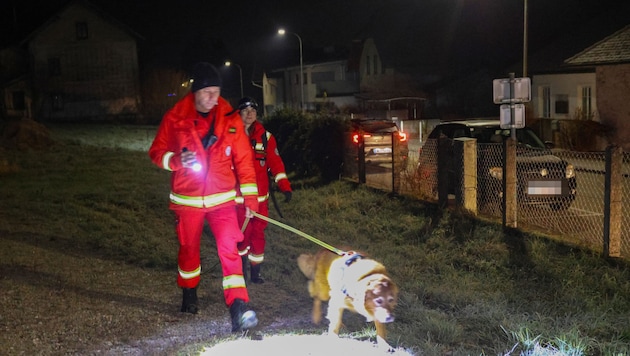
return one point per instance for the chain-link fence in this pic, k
(588, 208)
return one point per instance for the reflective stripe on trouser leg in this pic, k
(189, 226)
(224, 226)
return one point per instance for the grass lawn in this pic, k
(467, 286)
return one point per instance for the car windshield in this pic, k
(525, 136)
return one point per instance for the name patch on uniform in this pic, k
(232, 130)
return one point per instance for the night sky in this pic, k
(434, 32)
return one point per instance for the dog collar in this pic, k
(352, 257)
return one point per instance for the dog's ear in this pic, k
(306, 264)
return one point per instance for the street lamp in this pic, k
(240, 70)
(282, 32)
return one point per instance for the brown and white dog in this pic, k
(351, 281)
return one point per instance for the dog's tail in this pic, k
(306, 263)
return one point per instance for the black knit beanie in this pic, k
(205, 75)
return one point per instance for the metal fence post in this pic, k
(509, 183)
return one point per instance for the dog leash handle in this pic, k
(296, 231)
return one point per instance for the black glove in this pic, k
(287, 196)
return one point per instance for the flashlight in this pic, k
(196, 166)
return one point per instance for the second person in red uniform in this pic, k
(268, 164)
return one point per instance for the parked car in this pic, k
(376, 136)
(542, 177)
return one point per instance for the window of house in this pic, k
(318, 77)
(82, 30)
(297, 79)
(17, 100)
(367, 65)
(57, 102)
(585, 96)
(562, 104)
(305, 79)
(375, 64)
(545, 102)
(54, 66)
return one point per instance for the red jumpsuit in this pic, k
(208, 194)
(266, 157)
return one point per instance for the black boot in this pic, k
(255, 272)
(242, 317)
(189, 300)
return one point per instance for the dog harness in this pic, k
(351, 257)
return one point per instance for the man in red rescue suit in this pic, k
(202, 141)
(267, 159)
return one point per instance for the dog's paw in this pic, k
(381, 344)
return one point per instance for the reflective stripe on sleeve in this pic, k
(233, 281)
(261, 198)
(166, 159)
(280, 176)
(249, 189)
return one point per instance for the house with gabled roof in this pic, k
(610, 59)
(83, 66)
(567, 101)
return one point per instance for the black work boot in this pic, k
(189, 300)
(255, 274)
(242, 317)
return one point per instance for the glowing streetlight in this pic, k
(281, 32)
(240, 70)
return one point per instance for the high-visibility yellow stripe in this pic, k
(261, 198)
(280, 176)
(205, 201)
(249, 189)
(233, 281)
(166, 159)
(191, 274)
(256, 258)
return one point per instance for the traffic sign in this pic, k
(522, 91)
(505, 118)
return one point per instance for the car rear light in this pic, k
(356, 137)
(402, 136)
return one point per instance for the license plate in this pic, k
(382, 150)
(544, 187)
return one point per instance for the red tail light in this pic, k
(402, 136)
(356, 136)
